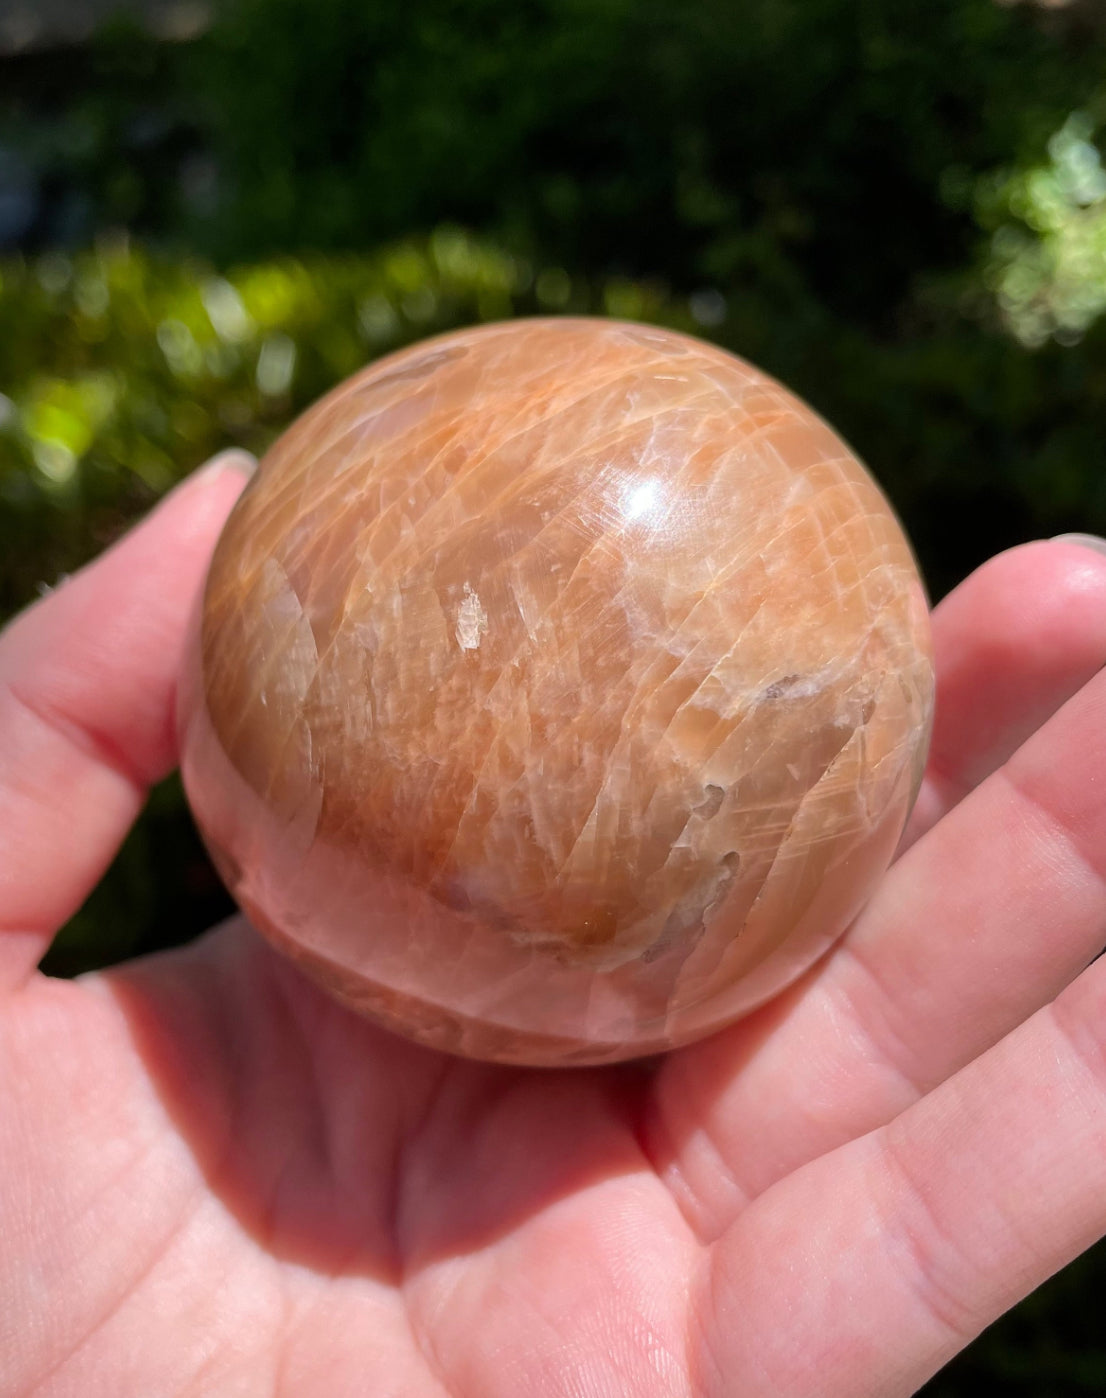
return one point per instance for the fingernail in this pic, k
(1087, 541)
(234, 459)
(44, 589)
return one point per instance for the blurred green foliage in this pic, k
(699, 141)
(900, 211)
(884, 207)
(122, 369)
(1048, 254)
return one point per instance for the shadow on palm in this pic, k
(338, 1146)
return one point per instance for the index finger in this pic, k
(1013, 643)
(87, 684)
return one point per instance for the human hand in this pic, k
(215, 1181)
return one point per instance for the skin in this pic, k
(215, 1181)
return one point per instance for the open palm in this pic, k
(215, 1181)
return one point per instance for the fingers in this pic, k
(899, 1248)
(87, 680)
(1012, 643)
(851, 1045)
(984, 920)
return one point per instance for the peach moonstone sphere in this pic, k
(560, 691)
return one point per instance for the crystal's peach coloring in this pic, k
(560, 691)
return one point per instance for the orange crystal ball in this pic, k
(560, 691)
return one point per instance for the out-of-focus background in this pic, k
(211, 212)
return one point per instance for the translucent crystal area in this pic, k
(560, 691)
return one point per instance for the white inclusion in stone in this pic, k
(640, 499)
(472, 620)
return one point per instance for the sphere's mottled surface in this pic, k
(560, 691)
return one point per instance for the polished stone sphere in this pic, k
(559, 693)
